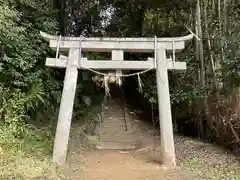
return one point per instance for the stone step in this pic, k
(115, 133)
(113, 107)
(117, 145)
(113, 115)
(120, 128)
(122, 132)
(120, 110)
(113, 122)
(113, 112)
(115, 119)
(114, 103)
(112, 134)
(121, 114)
(116, 139)
(107, 126)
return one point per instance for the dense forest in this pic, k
(206, 95)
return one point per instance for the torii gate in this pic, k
(76, 45)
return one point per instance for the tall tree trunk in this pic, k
(226, 18)
(209, 47)
(200, 58)
(212, 67)
(221, 34)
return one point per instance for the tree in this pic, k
(25, 86)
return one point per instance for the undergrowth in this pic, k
(206, 160)
(27, 154)
(27, 157)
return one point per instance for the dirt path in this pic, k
(112, 165)
(195, 159)
(118, 165)
(142, 163)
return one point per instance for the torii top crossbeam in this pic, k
(75, 45)
(106, 44)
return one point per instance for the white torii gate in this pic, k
(76, 45)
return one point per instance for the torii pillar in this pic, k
(165, 115)
(117, 46)
(66, 107)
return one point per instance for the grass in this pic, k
(30, 157)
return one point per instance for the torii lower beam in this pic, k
(117, 64)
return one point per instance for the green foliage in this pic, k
(27, 157)
(26, 86)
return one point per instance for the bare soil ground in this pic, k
(196, 160)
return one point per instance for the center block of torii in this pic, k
(74, 61)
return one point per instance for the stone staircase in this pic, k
(115, 131)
